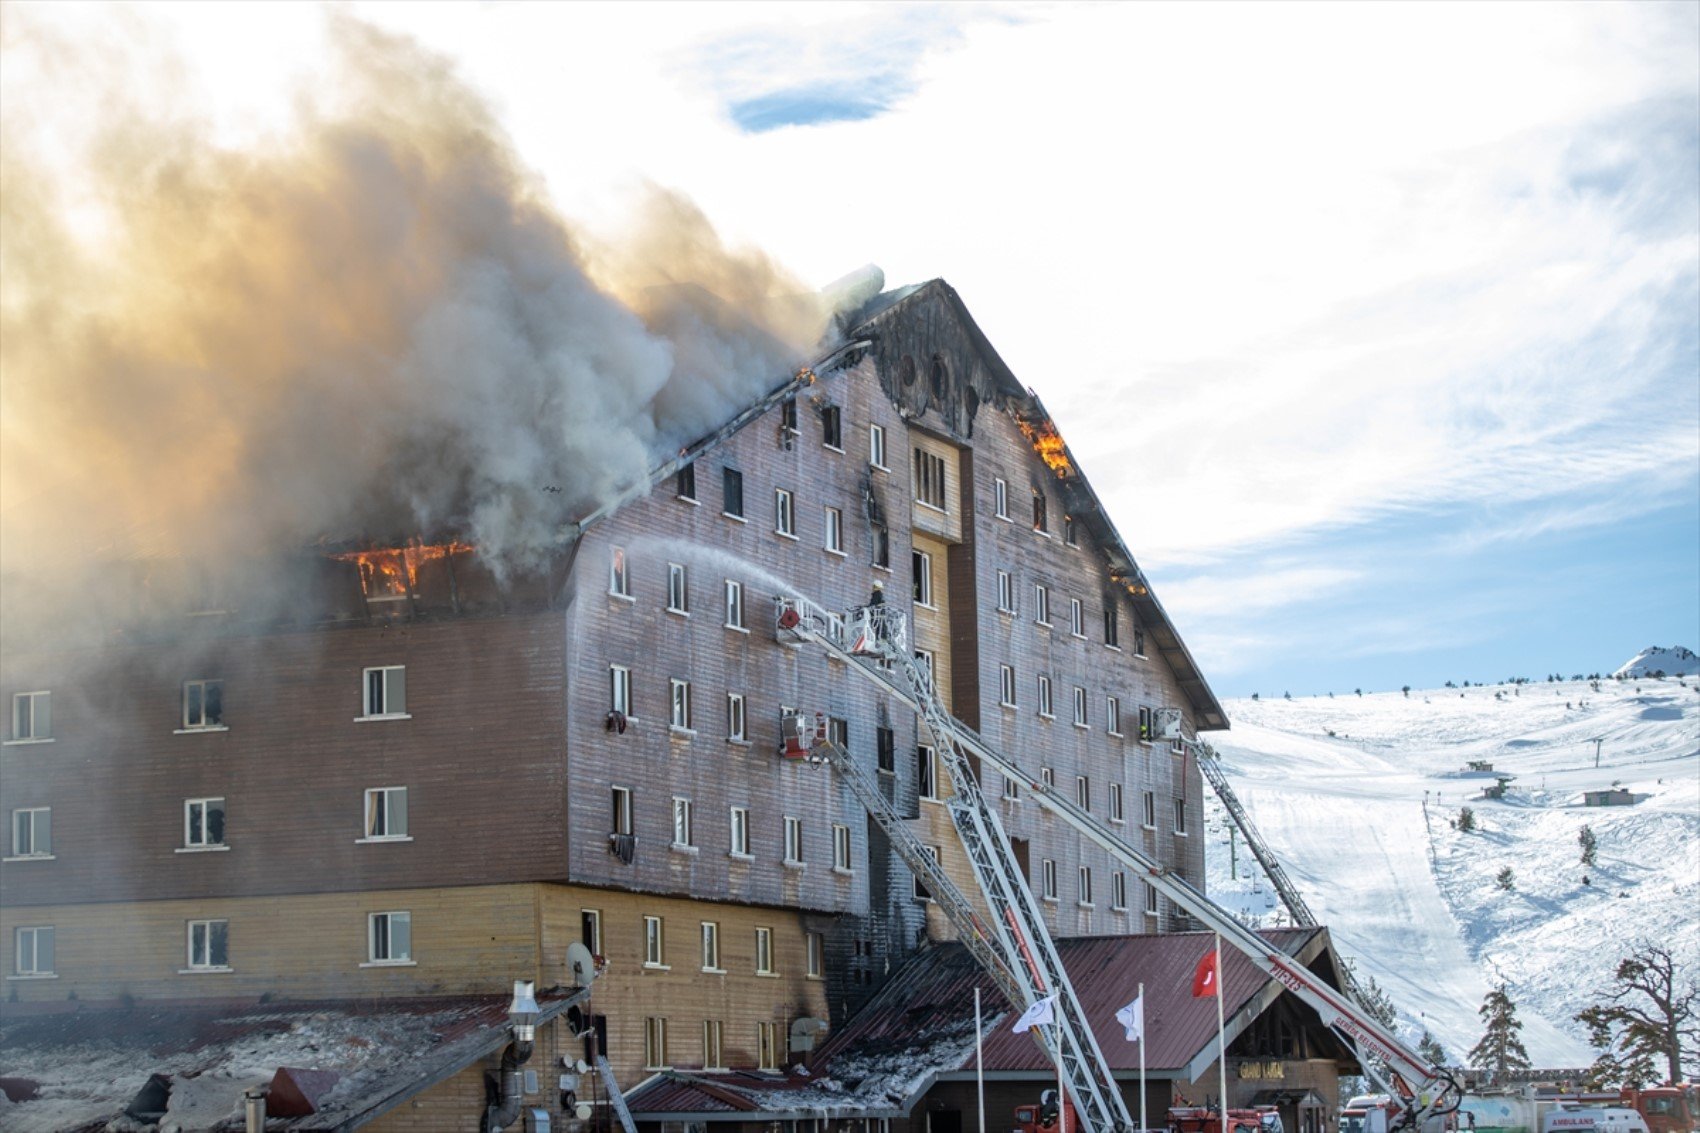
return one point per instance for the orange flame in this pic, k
(1048, 443)
(393, 572)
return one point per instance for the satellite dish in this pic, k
(582, 1111)
(581, 965)
(582, 1067)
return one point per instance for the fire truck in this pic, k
(1011, 943)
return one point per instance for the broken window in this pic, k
(882, 546)
(929, 479)
(1068, 531)
(386, 691)
(885, 744)
(831, 422)
(1138, 641)
(1111, 626)
(678, 589)
(389, 938)
(622, 816)
(619, 581)
(784, 518)
(203, 704)
(209, 945)
(1040, 523)
(732, 493)
(921, 570)
(32, 716)
(926, 773)
(386, 813)
(788, 415)
(838, 731)
(685, 483)
(203, 823)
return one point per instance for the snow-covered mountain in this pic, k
(1655, 659)
(1359, 797)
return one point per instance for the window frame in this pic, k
(926, 773)
(679, 706)
(876, 448)
(1042, 605)
(1006, 593)
(1148, 810)
(1112, 627)
(713, 1034)
(1083, 888)
(1151, 909)
(373, 960)
(682, 817)
(711, 948)
(619, 574)
(1113, 715)
(1000, 499)
(1117, 804)
(621, 817)
(842, 859)
(39, 832)
(921, 578)
(1048, 880)
(737, 719)
(918, 889)
(793, 842)
(832, 428)
(387, 812)
(734, 595)
(1083, 793)
(738, 832)
(1080, 709)
(381, 695)
(1118, 891)
(35, 970)
(1006, 686)
(205, 842)
(1077, 618)
(885, 750)
(1047, 707)
(732, 493)
(620, 691)
(784, 513)
(1041, 514)
(685, 483)
(765, 960)
(814, 955)
(932, 482)
(654, 942)
(833, 542)
(206, 964)
(678, 589)
(1180, 817)
(767, 1045)
(655, 1042)
(36, 732)
(202, 685)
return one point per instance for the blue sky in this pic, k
(1377, 327)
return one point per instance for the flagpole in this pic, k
(979, 1060)
(1142, 1110)
(1221, 1037)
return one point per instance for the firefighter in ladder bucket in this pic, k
(870, 623)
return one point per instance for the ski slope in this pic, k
(1359, 796)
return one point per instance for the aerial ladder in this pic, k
(872, 642)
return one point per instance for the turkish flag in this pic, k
(1207, 977)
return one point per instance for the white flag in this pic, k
(1132, 1019)
(1038, 1015)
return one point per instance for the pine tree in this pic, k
(1646, 1019)
(1429, 1047)
(1506, 879)
(1588, 843)
(1501, 1048)
(1466, 820)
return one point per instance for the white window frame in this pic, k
(1080, 708)
(200, 687)
(205, 841)
(1006, 686)
(784, 513)
(814, 955)
(834, 543)
(932, 481)
(1117, 811)
(655, 1042)
(1180, 817)
(1083, 893)
(28, 706)
(1150, 899)
(738, 830)
(1000, 498)
(619, 574)
(921, 566)
(926, 772)
(919, 889)
(1149, 810)
(620, 691)
(1006, 592)
(389, 920)
(711, 948)
(682, 833)
(841, 848)
(735, 606)
(1083, 793)
(1047, 709)
(793, 841)
(1113, 715)
(764, 952)
(767, 1045)
(32, 836)
(205, 929)
(379, 813)
(1077, 618)
(712, 1034)
(383, 696)
(621, 816)
(737, 723)
(1011, 789)
(1042, 605)
(679, 706)
(27, 952)
(1048, 880)
(654, 942)
(1048, 777)
(1147, 724)
(678, 589)
(876, 447)
(1118, 891)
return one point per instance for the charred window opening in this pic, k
(1112, 628)
(788, 415)
(832, 428)
(882, 546)
(1041, 520)
(906, 371)
(938, 377)
(1069, 536)
(203, 823)
(732, 493)
(885, 743)
(685, 484)
(391, 574)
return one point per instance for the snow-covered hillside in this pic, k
(1676, 661)
(1359, 797)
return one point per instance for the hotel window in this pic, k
(209, 946)
(32, 832)
(921, 572)
(620, 689)
(921, 892)
(1150, 900)
(1076, 617)
(924, 658)
(735, 718)
(1083, 792)
(710, 946)
(1006, 593)
(1068, 531)
(1040, 522)
(389, 938)
(1047, 776)
(814, 944)
(767, 1046)
(788, 416)
(1048, 879)
(682, 822)
(711, 1056)
(926, 773)
(885, 745)
(1041, 604)
(1116, 814)
(835, 530)
(203, 704)
(33, 951)
(740, 827)
(622, 814)
(1045, 698)
(876, 447)
(32, 716)
(882, 545)
(838, 731)
(654, 942)
(655, 1043)
(1000, 497)
(764, 952)
(590, 930)
(929, 479)
(734, 605)
(1150, 810)
(619, 580)
(1138, 641)
(1086, 886)
(832, 427)
(732, 493)
(793, 841)
(1006, 685)
(386, 691)
(1180, 816)
(685, 483)
(1113, 716)
(1080, 707)
(680, 700)
(1010, 788)
(784, 515)
(1118, 891)
(1112, 627)
(1147, 724)
(386, 813)
(678, 589)
(840, 846)
(203, 823)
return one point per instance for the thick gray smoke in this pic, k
(373, 327)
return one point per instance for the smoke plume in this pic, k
(371, 325)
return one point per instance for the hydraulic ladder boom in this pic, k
(1259, 848)
(1425, 1091)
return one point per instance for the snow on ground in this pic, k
(1359, 796)
(1676, 661)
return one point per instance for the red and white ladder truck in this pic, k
(1013, 942)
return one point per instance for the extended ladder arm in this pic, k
(1425, 1091)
